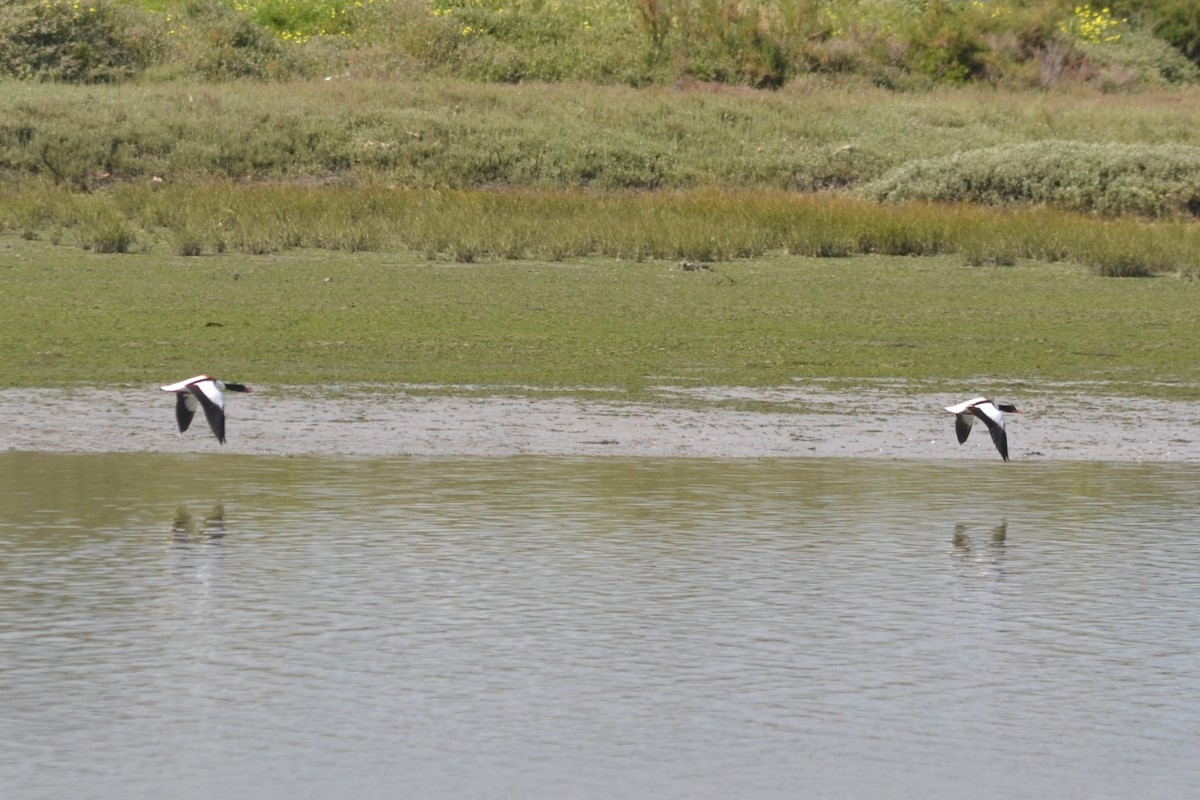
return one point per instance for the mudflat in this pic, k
(880, 420)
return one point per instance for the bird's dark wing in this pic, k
(212, 412)
(999, 437)
(183, 410)
(962, 426)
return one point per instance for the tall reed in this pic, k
(474, 225)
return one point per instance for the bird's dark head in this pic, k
(237, 387)
(1008, 409)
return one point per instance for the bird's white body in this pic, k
(992, 415)
(212, 388)
(202, 392)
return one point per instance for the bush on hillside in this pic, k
(1148, 180)
(1176, 22)
(66, 40)
(758, 43)
(764, 44)
(216, 43)
(1138, 60)
(726, 41)
(1179, 23)
(519, 40)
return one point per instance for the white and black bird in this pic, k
(202, 392)
(992, 415)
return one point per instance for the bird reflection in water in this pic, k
(983, 555)
(186, 529)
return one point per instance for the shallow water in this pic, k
(206, 626)
(879, 419)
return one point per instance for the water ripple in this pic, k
(638, 628)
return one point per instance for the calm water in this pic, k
(235, 627)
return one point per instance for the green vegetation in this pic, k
(759, 43)
(466, 172)
(330, 317)
(456, 134)
(599, 194)
(450, 133)
(469, 226)
(1113, 179)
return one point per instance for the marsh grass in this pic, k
(438, 231)
(450, 134)
(327, 317)
(104, 230)
(471, 173)
(706, 225)
(1112, 179)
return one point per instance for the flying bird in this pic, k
(202, 392)
(992, 415)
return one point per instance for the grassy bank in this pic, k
(707, 225)
(356, 208)
(328, 317)
(456, 134)
(366, 165)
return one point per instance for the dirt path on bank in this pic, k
(874, 423)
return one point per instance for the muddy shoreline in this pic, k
(811, 421)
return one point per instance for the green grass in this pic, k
(563, 272)
(466, 226)
(758, 43)
(1111, 179)
(324, 318)
(454, 134)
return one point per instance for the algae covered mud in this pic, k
(882, 419)
(315, 318)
